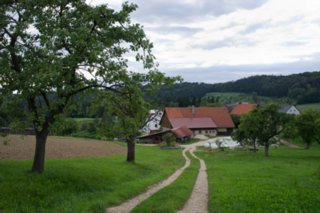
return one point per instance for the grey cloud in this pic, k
(218, 74)
(229, 42)
(175, 29)
(164, 10)
(254, 27)
(295, 43)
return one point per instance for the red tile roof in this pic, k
(192, 123)
(219, 115)
(241, 109)
(182, 132)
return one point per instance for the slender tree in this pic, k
(53, 50)
(130, 109)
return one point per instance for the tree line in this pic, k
(302, 88)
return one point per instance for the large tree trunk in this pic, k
(39, 155)
(266, 150)
(131, 150)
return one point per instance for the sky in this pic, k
(223, 40)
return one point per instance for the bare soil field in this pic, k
(20, 147)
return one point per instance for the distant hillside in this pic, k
(302, 88)
(234, 97)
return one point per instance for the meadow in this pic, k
(234, 97)
(83, 185)
(242, 181)
(305, 107)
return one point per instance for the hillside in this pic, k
(301, 88)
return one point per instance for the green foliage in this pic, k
(262, 124)
(64, 127)
(169, 139)
(308, 127)
(288, 181)
(173, 197)
(83, 185)
(301, 88)
(49, 48)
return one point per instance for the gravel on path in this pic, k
(127, 206)
(198, 201)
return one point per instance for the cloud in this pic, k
(184, 30)
(214, 37)
(185, 10)
(216, 74)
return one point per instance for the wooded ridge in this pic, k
(302, 88)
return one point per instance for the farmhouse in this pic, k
(241, 109)
(200, 120)
(181, 134)
(290, 109)
(153, 121)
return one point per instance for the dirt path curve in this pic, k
(127, 206)
(198, 201)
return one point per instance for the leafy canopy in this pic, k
(52, 50)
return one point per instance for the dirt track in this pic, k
(22, 148)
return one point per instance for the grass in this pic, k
(234, 97)
(173, 197)
(190, 141)
(83, 185)
(287, 181)
(84, 120)
(305, 107)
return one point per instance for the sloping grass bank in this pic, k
(173, 197)
(287, 181)
(83, 185)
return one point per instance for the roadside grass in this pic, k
(306, 107)
(287, 181)
(190, 141)
(83, 185)
(173, 197)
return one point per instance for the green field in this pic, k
(305, 107)
(234, 97)
(287, 181)
(83, 185)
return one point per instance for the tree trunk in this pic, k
(308, 144)
(131, 150)
(266, 150)
(254, 146)
(39, 155)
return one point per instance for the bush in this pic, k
(169, 139)
(64, 127)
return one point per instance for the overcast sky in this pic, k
(221, 40)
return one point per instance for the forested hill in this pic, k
(303, 87)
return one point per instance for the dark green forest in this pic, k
(302, 88)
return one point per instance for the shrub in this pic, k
(169, 139)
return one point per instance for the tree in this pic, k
(262, 124)
(130, 109)
(308, 127)
(53, 50)
(248, 130)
